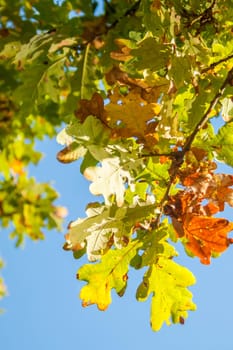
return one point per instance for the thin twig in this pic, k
(215, 64)
(151, 155)
(205, 117)
(129, 12)
(204, 15)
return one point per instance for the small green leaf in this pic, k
(150, 55)
(223, 144)
(91, 132)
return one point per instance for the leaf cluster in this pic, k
(140, 86)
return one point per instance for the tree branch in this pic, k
(214, 64)
(178, 157)
(205, 16)
(205, 117)
(129, 12)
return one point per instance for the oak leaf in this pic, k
(207, 236)
(167, 282)
(129, 115)
(214, 187)
(71, 153)
(94, 106)
(110, 273)
(109, 179)
(203, 236)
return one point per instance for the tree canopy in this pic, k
(140, 86)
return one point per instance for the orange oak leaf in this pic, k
(205, 235)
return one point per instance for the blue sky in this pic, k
(43, 310)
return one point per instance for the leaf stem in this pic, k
(85, 58)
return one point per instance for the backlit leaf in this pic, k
(109, 179)
(167, 282)
(110, 273)
(129, 114)
(223, 144)
(142, 87)
(205, 236)
(227, 109)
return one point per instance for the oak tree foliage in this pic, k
(140, 85)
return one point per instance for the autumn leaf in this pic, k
(17, 167)
(141, 86)
(71, 153)
(110, 273)
(106, 226)
(94, 106)
(128, 115)
(203, 236)
(213, 187)
(206, 236)
(167, 282)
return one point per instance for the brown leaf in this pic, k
(94, 28)
(116, 75)
(94, 107)
(70, 153)
(201, 181)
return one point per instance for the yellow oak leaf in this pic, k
(110, 273)
(130, 114)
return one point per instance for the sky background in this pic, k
(43, 310)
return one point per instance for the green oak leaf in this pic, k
(92, 135)
(150, 55)
(104, 223)
(223, 144)
(167, 282)
(110, 273)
